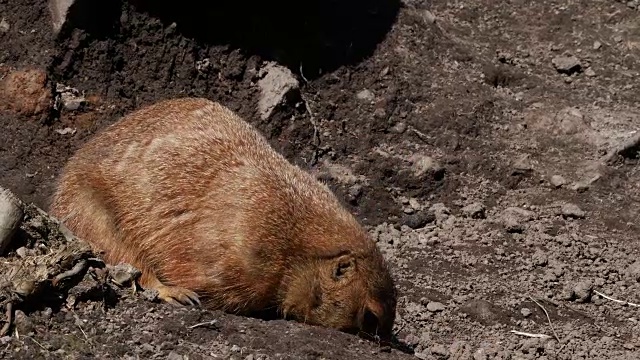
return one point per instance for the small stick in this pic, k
(206, 323)
(616, 300)
(77, 268)
(9, 311)
(539, 336)
(548, 318)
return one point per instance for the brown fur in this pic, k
(194, 197)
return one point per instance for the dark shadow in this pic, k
(315, 35)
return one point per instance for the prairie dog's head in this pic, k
(350, 292)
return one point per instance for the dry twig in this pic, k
(77, 269)
(206, 323)
(539, 336)
(616, 300)
(548, 318)
(9, 311)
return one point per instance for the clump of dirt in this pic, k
(502, 187)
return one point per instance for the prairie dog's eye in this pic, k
(343, 266)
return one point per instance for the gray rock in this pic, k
(366, 95)
(276, 84)
(11, 214)
(4, 26)
(422, 164)
(418, 220)
(572, 211)
(589, 72)
(583, 291)
(557, 181)
(124, 274)
(525, 312)
(58, 10)
(566, 64)
(435, 306)
(474, 211)
(514, 218)
(597, 45)
(633, 271)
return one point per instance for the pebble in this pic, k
(124, 274)
(513, 219)
(525, 312)
(572, 211)
(633, 271)
(589, 72)
(11, 215)
(366, 95)
(474, 211)
(423, 164)
(4, 26)
(435, 306)
(583, 291)
(418, 220)
(174, 356)
(276, 84)
(398, 128)
(566, 64)
(235, 348)
(557, 181)
(597, 45)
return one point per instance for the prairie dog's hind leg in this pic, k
(84, 214)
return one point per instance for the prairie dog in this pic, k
(193, 196)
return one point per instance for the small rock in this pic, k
(589, 72)
(633, 271)
(249, 357)
(474, 211)
(525, 312)
(572, 211)
(4, 26)
(354, 193)
(174, 356)
(440, 350)
(23, 324)
(124, 274)
(66, 131)
(513, 219)
(58, 10)
(150, 295)
(539, 258)
(440, 211)
(557, 181)
(423, 164)
(11, 214)
(617, 38)
(570, 121)
(366, 95)
(277, 83)
(597, 45)
(522, 165)
(22, 252)
(580, 186)
(235, 348)
(398, 128)
(583, 291)
(435, 306)
(428, 17)
(419, 219)
(566, 64)
(26, 92)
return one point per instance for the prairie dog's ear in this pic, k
(343, 266)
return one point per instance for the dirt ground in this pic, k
(485, 144)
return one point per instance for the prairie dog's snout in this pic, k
(195, 198)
